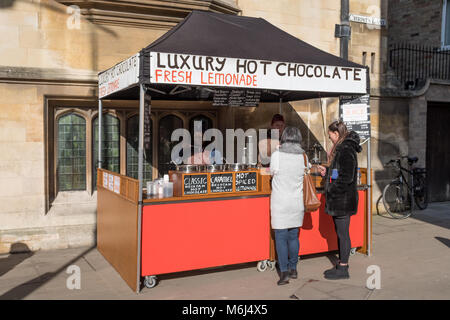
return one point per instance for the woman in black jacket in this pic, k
(340, 190)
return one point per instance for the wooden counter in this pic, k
(208, 197)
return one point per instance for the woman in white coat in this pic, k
(286, 201)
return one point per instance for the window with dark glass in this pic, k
(71, 165)
(205, 123)
(166, 126)
(446, 24)
(110, 145)
(132, 150)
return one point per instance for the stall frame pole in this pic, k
(369, 198)
(369, 175)
(140, 178)
(100, 111)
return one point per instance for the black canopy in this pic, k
(221, 35)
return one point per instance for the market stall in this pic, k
(213, 218)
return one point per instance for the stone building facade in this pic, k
(51, 54)
(419, 79)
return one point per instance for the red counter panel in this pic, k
(318, 234)
(195, 235)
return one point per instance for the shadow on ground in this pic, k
(26, 288)
(19, 253)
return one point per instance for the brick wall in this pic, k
(415, 21)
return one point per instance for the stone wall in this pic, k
(415, 21)
(45, 57)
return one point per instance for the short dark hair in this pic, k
(277, 117)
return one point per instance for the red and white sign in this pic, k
(187, 69)
(119, 77)
(354, 112)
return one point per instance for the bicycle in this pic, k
(398, 195)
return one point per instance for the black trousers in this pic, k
(342, 226)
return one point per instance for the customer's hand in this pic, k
(322, 170)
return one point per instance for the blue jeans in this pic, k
(287, 245)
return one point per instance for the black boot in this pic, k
(339, 272)
(293, 274)
(332, 270)
(284, 278)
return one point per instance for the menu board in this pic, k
(116, 184)
(195, 184)
(246, 181)
(147, 124)
(355, 112)
(111, 182)
(236, 98)
(105, 180)
(221, 182)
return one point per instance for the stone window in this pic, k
(132, 150)
(110, 146)
(71, 163)
(72, 145)
(167, 125)
(446, 24)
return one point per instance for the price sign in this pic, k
(195, 184)
(355, 112)
(221, 182)
(236, 98)
(246, 181)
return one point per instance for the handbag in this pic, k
(310, 200)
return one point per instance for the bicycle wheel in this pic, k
(420, 192)
(396, 200)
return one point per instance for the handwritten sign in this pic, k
(121, 76)
(236, 98)
(170, 68)
(221, 182)
(105, 180)
(111, 182)
(116, 184)
(195, 184)
(246, 181)
(355, 112)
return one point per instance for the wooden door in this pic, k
(438, 152)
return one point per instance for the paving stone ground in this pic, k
(413, 256)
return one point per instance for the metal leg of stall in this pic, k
(100, 111)
(369, 202)
(141, 181)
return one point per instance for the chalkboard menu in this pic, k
(195, 184)
(221, 182)
(246, 181)
(147, 127)
(236, 98)
(355, 112)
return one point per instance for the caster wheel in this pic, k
(261, 266)
(150, 281)
(352, 251)
(271, 265)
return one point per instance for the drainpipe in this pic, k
(343, 30)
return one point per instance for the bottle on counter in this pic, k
(158, 188)
(149, 189)
(167, 187)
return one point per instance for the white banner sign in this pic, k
(189, 69)
(367, 20)
(119, 77)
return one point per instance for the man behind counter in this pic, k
(269, 145)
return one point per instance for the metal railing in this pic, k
(414, 63)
